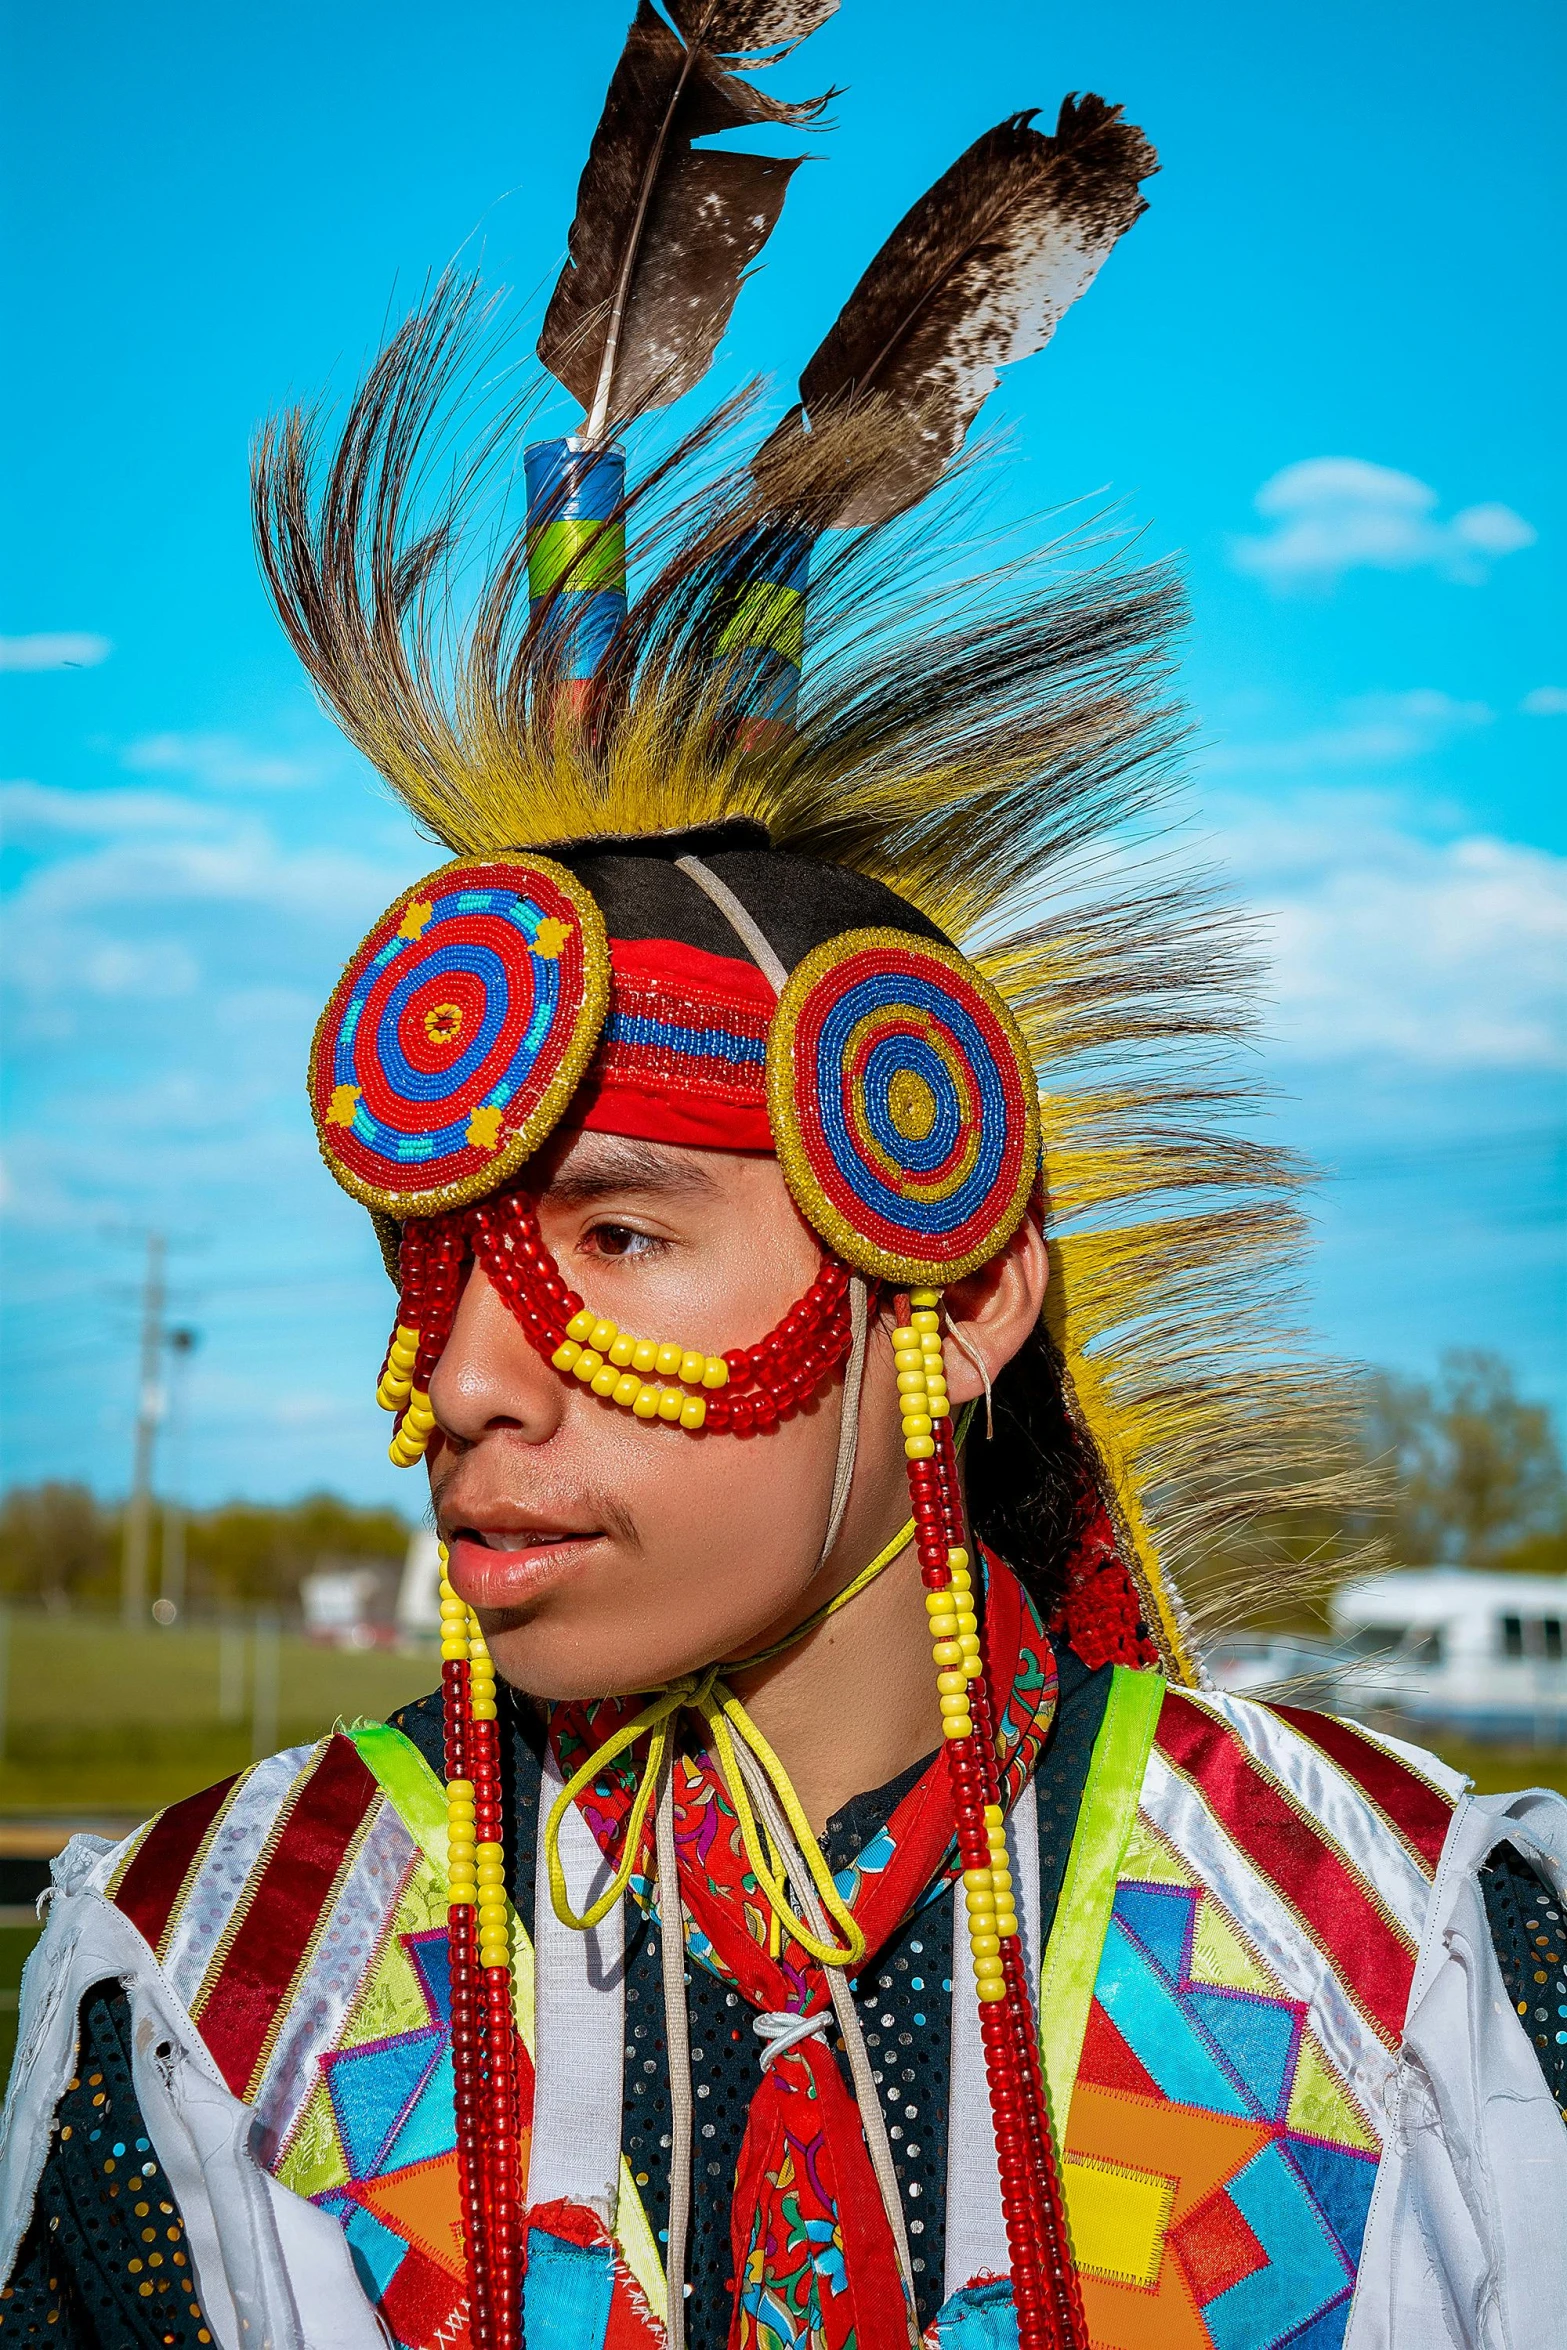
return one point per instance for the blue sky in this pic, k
(1319, 371)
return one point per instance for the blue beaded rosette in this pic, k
(458, 1032)
(903, 1106)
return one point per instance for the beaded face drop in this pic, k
(749, 1388)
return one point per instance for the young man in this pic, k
(846, 1916)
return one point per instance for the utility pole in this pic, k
(170, 1601)
(149, 1411)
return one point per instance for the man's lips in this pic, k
(505, 1567)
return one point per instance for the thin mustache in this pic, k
(602, 1509)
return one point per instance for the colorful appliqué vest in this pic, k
(1222, 2004)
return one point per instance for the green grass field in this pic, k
(104, 1721)
(104, 1726)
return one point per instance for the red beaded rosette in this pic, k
(458, 1032)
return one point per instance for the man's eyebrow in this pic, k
(628, 1168)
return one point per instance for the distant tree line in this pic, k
(61, 1545)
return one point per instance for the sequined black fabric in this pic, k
(105, 2264)
(1530, 1933)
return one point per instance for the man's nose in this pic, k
(489, 1375)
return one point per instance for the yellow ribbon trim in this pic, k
(708, 1695)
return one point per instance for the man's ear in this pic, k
(993, 1311)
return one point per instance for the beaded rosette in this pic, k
(903, 1106)
(458, 1032)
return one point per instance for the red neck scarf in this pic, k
(815, 2264)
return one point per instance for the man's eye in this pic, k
(618, 1240)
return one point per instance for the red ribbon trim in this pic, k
(1420, 1813)
(1372, 1956)
(151, 1885)
(285, 1910)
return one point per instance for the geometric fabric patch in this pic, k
(1340, 2181)
(1257, 2036)
(1204, 2219)
(373, 2088)
(1216, 2247)
(1150, 1859)
(1219, 1956)
(1161, 1919)
(1319, 2105)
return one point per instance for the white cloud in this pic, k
(41, 811)
(1336, 514)
(1447, 954)
(159, 900)
(69, 648)
(1546, 701)
(222, 760)
(1374, 730)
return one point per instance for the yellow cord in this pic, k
(726, 1717)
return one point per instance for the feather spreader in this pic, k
(976, 275)
(665, 232)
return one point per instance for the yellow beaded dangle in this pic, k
(955, 1651)
(414, 1432)
(397, 1378)
(992, 1911)
(922, 1374)
(397, 1393)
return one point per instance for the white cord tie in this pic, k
(782, 2031)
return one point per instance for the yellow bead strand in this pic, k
(992, 1911)
(954, 1630)
(921, 1374)
(615, 1363)
(922, 1398)
(462, 1853)
(397, 1379)
(476, 1873)
(1000, 1871)
(414, 1431)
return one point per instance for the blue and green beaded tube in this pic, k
(576, 551)
(765, 636)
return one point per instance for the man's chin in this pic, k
(540, 1663)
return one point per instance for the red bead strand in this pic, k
(500, 2165)
(1052, 2238)
(766, 1383)
(1044, 2281)
(467, 2032)
(486, 2086)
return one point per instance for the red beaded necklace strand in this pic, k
(1044, 2280)
(480, 1960)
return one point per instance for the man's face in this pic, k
(607, 1554)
